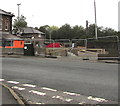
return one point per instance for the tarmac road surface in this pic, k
(86, 78)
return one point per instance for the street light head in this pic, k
(19, 4)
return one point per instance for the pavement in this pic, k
(7, 97)
(69, 57)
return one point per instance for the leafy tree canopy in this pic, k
(19, 23)
(76, 32)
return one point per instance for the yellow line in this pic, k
(14, 94)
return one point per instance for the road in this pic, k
(86, 78)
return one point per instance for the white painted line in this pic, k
(81, 103)
(13, 82)
(56, 97)
(68, 100)
(39, 103)
(37, 92)
(18, 88)
(29, 85)
(2, 80)
(97, 99)
(64, 99)
(73, 94)
(49, 89)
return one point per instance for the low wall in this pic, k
(56, 51)
(13, 51)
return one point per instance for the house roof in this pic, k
(30, 30)
(10, 37)
(5, 13)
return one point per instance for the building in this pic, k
(31, 33)
(5, 22)
(8, 42)
(33, 40)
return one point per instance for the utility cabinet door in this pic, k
(28, 50)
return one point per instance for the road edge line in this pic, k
(19, 100)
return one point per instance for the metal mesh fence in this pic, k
(103, 47)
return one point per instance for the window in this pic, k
(6, 25)
(39, 36)
(21, 43)
(0, 24)
(0, 27)
(8, 43)
(0, 42)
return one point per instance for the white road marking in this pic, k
(64, 99)
(97, 99)
(2, 80)
(68, 100)
(49, 89)
(18, 88)
(13, 82)
(81, 103)
(29, 85)
(37, 92)
(40, 103)
(73, 94)
(58, 97)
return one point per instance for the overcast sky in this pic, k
(60, 12)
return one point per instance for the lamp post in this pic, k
(18, 30)
(48, 29)
(19, 10)
(96, 36)
(50, 36)
(87, 28)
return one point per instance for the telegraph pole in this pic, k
(87, 28)
(19, 10)
(96, 36)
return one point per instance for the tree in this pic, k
(49, 30)
(118, 33)
(54, 32)
(109, 32)
(65, 32)
(78, 32)
(19, 23)
(36, 28)
(54, 28)
(101, 31)
(91, 30)
(45, 30)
